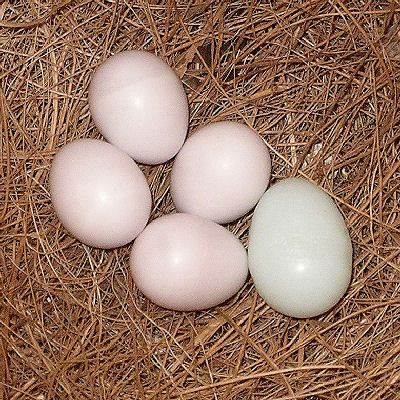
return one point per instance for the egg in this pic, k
(185, 262)
(300, 252)
(138, 104)
(221, 172)
(99, 193)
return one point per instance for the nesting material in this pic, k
(319, 82)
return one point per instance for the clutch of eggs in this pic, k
(300, 252)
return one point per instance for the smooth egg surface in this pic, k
(138, 104)
(185, 262)
(221, 172)
(99, 193)
(300, 252)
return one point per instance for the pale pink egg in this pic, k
(99, 193)
(138, 104)
(185, 262)
(221, 172)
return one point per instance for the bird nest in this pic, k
(318, 80)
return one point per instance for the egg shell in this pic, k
(138, 104)
(300, 252)
(99, 193)
(221, 172)
(185, 262)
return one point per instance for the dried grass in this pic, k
(319, 81)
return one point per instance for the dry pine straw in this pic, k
(319, 80)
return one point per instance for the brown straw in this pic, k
(319, 81)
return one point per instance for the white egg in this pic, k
(185, 262)
(300, 252)
(99, 193)
(139, 105)
(221, 172)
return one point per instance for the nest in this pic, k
(318, 80)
